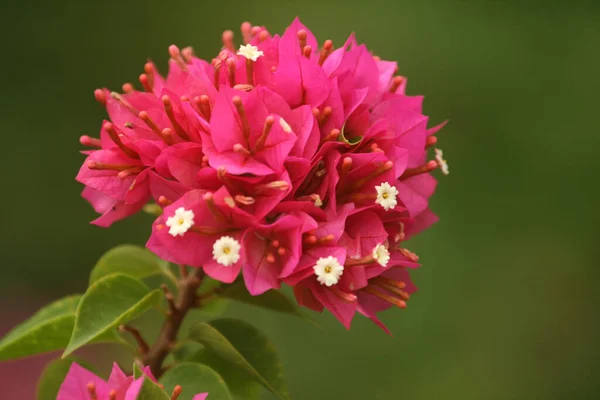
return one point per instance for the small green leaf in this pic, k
(53, 376)
(273, 300)
(151, 391)
(131, 260)
(245, 347)
(195, 378)
(137, 371)
(109, 302)
(353, 141)
(47, 330)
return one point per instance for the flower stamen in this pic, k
(325, 51)
(177, 390)
(301, 34)
(175, 54)
(239, 106)
(431, 141)
(168, 104)
(423, 169)
(378, 171)
(396, 82)
(230, 63)
(263, 137)
(91, 388)
(90, 141)
(307, 51)
(100, 97)
(227, 39)
(246, 30)
(383, 296)
(116, 96)
(110, 129)
(111, 167)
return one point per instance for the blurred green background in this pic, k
(508, 288)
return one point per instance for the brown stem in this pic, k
(142, 345)
(186, 299)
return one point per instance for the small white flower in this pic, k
(328, 270)
(285, 126)
(180, 222)
(381, 255)
(439, 157)
(250, 52)
(226, 251)
(386, 195)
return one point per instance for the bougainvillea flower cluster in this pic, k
(81, 384)
(284, 159)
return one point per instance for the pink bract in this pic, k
(290, 161)
(80, 383)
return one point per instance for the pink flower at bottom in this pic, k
(81, 384)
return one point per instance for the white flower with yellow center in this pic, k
(328, 270)
(250, 52)
(386, 195)
(180, 222)
(439, 157)
(381, 255)
(285, 126)
(226, 251)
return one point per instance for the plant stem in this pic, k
(179, 307)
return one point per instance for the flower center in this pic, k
(328, 269)
(384, 195)
(181, 221)
(226, 250)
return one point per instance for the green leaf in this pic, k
(353, 141)
(242, 387)
(273, 300)
(109, 302)
(47, 330)
(137, 371)
(151, 391)
(131, 260)
(242, 345)
(53, 376)
(195, 378)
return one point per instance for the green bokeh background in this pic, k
(508, 288)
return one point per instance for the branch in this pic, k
(143, 346)
(178, 308)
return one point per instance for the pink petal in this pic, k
(74, 387)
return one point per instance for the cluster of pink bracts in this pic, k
(81, 384)
(289, 162)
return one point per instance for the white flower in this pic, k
(439, 157)
(250, 52)
(381, 255)
(386, 195)
(285, 126)
(226, 251)
(328, 270)
(180, 222)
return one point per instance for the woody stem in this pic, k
(185, 300)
